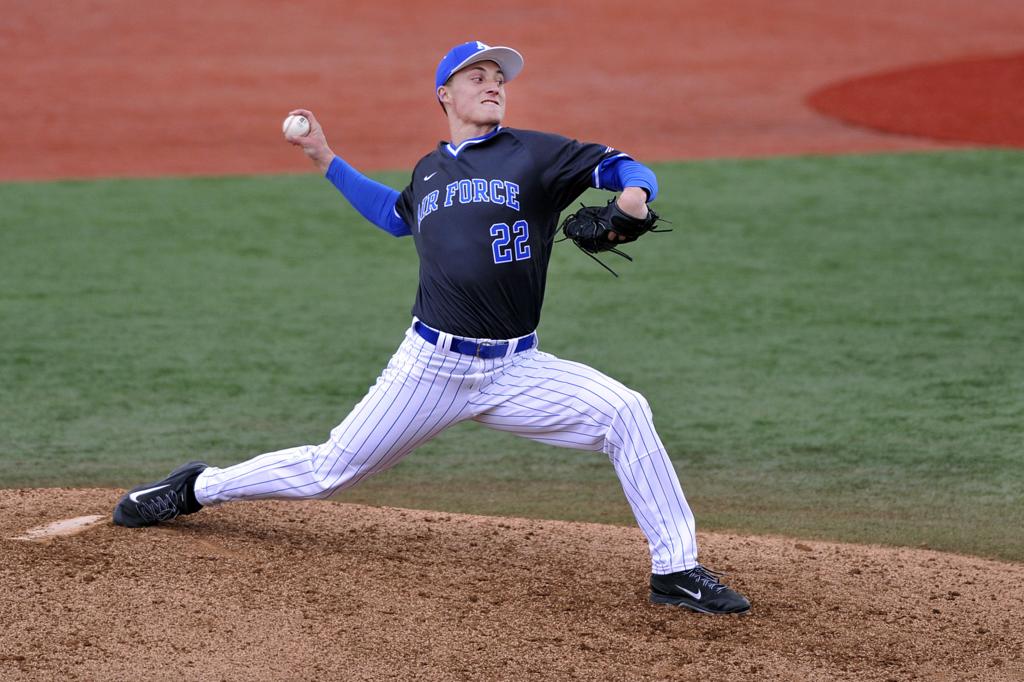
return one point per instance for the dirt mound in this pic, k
(307, 590)
(968, 100)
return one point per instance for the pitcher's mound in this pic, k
(969, 100)
(308, 590)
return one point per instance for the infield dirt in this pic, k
(123, 88)
(321, 590)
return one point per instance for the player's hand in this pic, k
(313, 144)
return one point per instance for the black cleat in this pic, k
(152, 503)
(698, 590)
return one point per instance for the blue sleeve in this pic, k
(621, 171)
(374, 201)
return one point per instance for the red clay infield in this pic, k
(119, 87)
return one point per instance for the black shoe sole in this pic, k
(692, 604)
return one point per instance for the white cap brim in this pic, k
(508, 60)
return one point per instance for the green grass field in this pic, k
(833, 346)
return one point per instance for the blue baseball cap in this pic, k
(461, 56)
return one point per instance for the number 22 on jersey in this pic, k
(510, 242)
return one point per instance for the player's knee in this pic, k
(633, 403)
(328, 470)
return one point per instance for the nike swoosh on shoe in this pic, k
(695, 595)
(134, 497)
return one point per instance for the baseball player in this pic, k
(482, 210)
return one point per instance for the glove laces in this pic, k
(652, 216)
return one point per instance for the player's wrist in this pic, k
(322, 159)
(633, 202)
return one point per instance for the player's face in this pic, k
(476, 94)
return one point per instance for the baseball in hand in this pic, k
(295, 126)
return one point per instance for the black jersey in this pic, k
(483, 216)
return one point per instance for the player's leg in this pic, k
(419, 394)
(569, 404)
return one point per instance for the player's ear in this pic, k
(443, 96)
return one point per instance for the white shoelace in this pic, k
(161, 508)
(707, 578)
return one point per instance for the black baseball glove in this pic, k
(589, 229)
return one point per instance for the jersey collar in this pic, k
(454, 151)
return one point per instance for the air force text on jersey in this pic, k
(470, 191)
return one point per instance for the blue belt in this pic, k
(486, 350)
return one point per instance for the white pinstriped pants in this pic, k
(426, 388)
